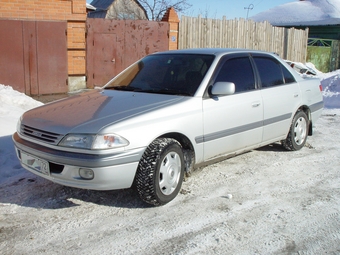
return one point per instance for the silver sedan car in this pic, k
(164, 115)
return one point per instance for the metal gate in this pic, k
(113, 45)
(324, 54)
(33, 56)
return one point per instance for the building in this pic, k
(42, 45)
(322, 18)
(118, 9)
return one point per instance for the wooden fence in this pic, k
(197, 32)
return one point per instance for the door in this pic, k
(113, 45)
(104, 58)
(12, 70)
(51, 61)
(233, 122)
(34, 56)
(281, 96)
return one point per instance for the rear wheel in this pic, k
(160, 172)
(298, 132)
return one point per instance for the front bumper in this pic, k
(112, 171)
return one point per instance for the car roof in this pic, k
(212, 51)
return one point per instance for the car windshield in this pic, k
(175, 74)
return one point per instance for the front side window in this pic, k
(178, 74)
(240, 72)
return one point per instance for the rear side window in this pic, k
(240, 72)
(272, 72)
(289, 78)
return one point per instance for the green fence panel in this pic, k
(320, 57)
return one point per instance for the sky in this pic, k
(216, 9)
(231, 8)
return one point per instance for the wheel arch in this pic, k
(308, 112)
(188, 150)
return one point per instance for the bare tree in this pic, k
(157, 8)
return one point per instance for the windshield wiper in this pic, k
(167, 91)
(156, 91)
(125, 88)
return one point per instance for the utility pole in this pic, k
(249, 8)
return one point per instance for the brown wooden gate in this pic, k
(113, 45)
(33, 56)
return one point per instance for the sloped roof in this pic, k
(102, 4)
(302, 13)
(90, 7)
(97, 14)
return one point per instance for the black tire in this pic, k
(160, 172)
(298, 132)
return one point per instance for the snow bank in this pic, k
(12, 105)
(331, 89)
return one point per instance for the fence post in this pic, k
(285, 43)
(171, 17)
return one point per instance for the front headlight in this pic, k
(109, 141)
(78, 141)
(95, 142)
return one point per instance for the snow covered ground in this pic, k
(267, 201)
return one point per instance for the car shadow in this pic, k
(21, 187)
(33, 191)
(272, 147)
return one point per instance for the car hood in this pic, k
(91, 111)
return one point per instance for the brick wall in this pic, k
(76, 47)
(72, 11)
(44, 9)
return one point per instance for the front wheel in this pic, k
(160, 172)
(298, 132)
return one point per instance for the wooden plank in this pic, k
(240, 33)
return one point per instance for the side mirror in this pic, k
(223, 88)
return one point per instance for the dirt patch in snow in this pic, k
(267, 201)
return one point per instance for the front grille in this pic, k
(41, 135)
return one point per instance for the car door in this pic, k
(281, 96)
(233, 122)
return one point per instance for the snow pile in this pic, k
(304, 69)
(12, 105)
(312, 12)
(331, 89)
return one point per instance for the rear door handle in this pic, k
(255, 104)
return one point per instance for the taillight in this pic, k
(320, 87)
